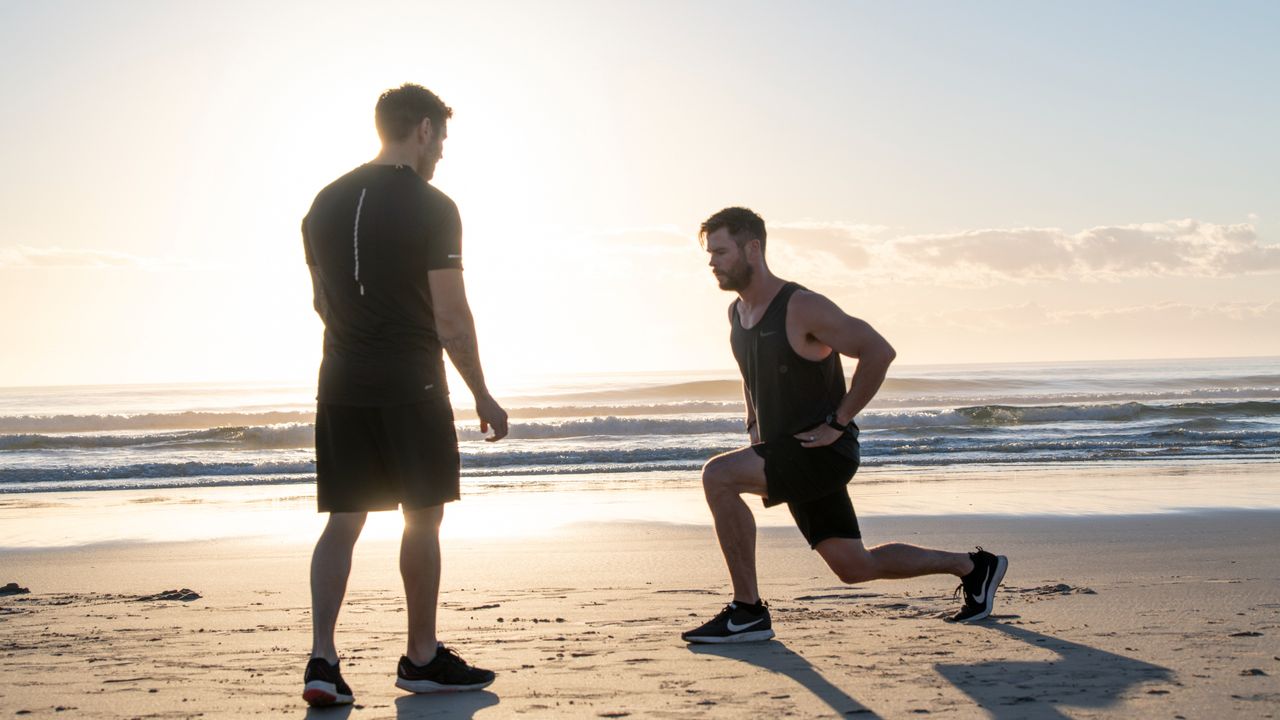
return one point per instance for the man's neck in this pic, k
(761, 289)
(396, 155)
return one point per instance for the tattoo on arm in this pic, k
(465, 355)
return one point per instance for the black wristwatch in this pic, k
(834, 423)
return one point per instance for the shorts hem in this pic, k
(388, 507)
(813, 544)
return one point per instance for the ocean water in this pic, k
(632, 427)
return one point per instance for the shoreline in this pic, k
(546, 506)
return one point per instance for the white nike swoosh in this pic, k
(739, 628)
(983, 597)
(767, 334)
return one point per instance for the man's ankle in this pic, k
(421, 655)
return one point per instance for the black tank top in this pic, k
(789, 393)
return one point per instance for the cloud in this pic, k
(862, 255)
(23, 256)
(835, 255)
(1034, 315)
(1028, 332)
(1236, 311)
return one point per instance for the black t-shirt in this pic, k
(372, 235)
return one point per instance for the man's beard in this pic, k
(737, 277)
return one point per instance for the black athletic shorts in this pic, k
(826, 517)
(379, 458)
(813, 482)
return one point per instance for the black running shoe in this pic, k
(445, 673)
(323, 685)
(980, 585)
(735, 624)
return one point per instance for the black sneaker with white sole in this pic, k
(323, 684)
(980, 585)
(445, 673)
(736, 623)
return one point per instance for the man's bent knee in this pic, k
(717, 476)
(854, 574)
(733, 473)
(851, 565)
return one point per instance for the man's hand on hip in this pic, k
(821, 436)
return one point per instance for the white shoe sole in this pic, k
(319, 693)
(742, 637)
(426, 686)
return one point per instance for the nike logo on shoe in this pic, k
(734, 627)
(982, 596)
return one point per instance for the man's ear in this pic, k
(425, 130)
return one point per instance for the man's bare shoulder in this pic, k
(807, 303)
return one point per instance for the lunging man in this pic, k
(804, 443)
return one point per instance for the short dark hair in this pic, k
(400, 110)
(743, 225)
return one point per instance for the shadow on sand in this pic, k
(1080, 677)
(776, 657)
(445, 705)
(410, 707)
(331, 712)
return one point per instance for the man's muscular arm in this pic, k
(753, 429)
(826, 323)
(457, 331)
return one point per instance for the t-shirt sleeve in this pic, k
(444, 236)
(306, 243)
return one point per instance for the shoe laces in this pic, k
(449, 653)
(960, 588)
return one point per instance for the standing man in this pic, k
(804, 443)
(385, 252)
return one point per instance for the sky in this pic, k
(983, 182)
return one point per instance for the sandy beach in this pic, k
(1172, 614)
(1010, 270)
